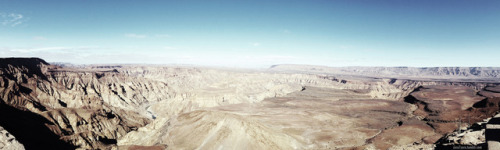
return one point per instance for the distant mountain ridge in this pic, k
(492, 73)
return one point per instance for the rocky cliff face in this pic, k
(131, 106)
(44, 111)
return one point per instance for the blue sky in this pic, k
(254, 33)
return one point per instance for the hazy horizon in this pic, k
(255, 34)
(241, 67)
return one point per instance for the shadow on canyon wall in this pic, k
(29, 129)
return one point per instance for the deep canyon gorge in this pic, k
(57, 106)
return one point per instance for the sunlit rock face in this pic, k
(8, 141)
(284, 107)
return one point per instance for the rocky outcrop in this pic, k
(474, 136)
(479, 135)
(492, 132)
(8, 141)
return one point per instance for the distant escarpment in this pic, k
(435, 73)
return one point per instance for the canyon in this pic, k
(53, 106)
